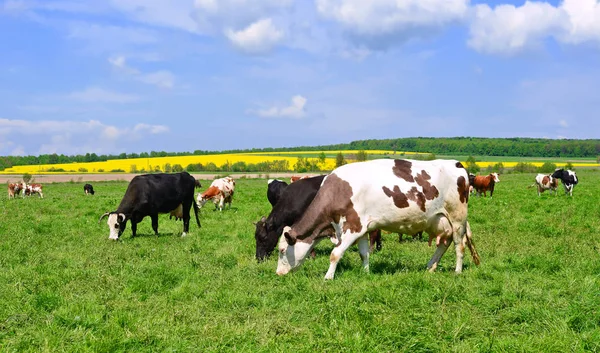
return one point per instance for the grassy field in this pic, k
(66, 288)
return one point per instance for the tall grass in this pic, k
(66, 287)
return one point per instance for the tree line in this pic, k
(467, 146)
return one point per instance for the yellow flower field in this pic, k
(153, 163)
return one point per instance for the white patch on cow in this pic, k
(571, 173)
(496, 177)
(113, 226)
(291, 256)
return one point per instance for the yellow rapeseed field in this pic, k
(154, 163)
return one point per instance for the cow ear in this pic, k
(288, 238)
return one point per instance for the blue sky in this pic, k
(118, 76)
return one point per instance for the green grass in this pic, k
(64, 286)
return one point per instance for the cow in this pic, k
(88, 189)
(545, 182)
(471, 182)
(220, 192)
(295, 178)
(568, 178)
(274, 190)
(150, 195)
(482, 184)
(14, 189)
(30, 189)
(291, 206)
(401, 196)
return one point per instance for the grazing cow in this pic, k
(568, 178)
(220, 192)
(471, 182)
(484, 183)
(295, 178)
(545, 182)
(14, 189)
(30, 189)
(402, 196)
(291, 206)
(274, 190)
(88, 189)
(150, 195)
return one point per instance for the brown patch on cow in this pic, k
(415, 195)
(545, 180)
(430, 191)
(400, 200)
(463, 189)
(402, 169)
(460, 165)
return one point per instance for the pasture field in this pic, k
(65, 287)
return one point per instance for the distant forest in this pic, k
(467, 146)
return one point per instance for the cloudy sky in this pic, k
(112, 76)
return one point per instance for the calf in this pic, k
(568, 178)
(88, 189)
(30, 189)
(14, 189)
(482, 184)
(150, 195)
(291, 206)
(402, 196)
(274, 190)
(220, 192)
(545, 182)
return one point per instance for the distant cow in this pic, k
(295, 178)
(291, 206)
(220, 192)
(150, 195)
(274, 190)
(568, 178)
(545, 182)
(30, 189)
(482, 184)
(88, 189)
(471, 182)
(14, 189)
(402, 196)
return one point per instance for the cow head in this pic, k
(495, 177)
(201, 200)
(292, 253)
(266, 236)
(116, 224)
(558, 173)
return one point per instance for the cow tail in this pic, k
(471, 245)
(195, 205)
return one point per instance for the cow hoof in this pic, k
(183, 234)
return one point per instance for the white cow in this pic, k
(400, 196)
(220, 192)
(545, 182)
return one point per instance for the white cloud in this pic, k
(72, 137)
(295, 110)
(391, 20)
(259, 37)
(161, 79)
(563, 123)
(100, 95)
(507, 29)
(216, 15)
(165, 13)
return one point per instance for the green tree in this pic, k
(339, 160)
(168, 168)
(361, 156)
(547, 167)
(472, 166)
(177, 168)
(323, 158)
(569, 166)
(27, 177)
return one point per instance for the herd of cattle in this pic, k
(351, 205)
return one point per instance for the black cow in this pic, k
(274, 190)
(88, 189)
(151, 194)
(291, 206)
(568, 178)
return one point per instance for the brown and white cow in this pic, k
(220, 192)
(30, 189)
(482, 184)
(399, 196)
(545, 182)
(299, 177)
(14, 189)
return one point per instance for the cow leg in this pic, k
(154, 219)
(133, 226)
(375, 240)
(444, 230)
(435, 259)
(363, 250)
(221, 203)
(186, 220)
(338, 252)
(459, 246)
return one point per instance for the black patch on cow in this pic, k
(460, 165)
(463, 189)
(402, 169)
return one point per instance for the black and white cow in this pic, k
(274, 190)
(401, 196)
(88, 189)
(291, 206)
(568, 178)
(150, 195)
